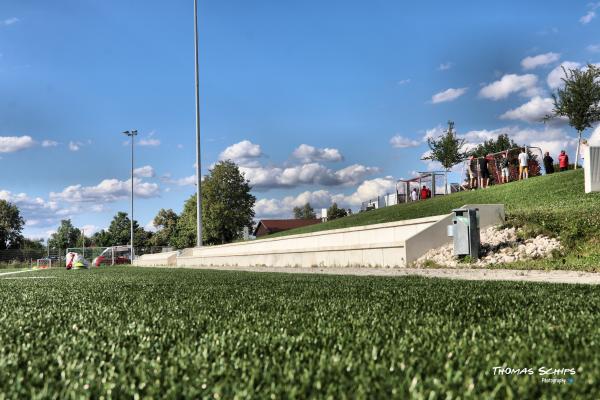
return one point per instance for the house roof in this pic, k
(278, 225)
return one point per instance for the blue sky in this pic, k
(317, 101)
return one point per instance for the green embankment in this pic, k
(128, 332)
(555, 205)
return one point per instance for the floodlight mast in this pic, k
(198, 166)
(131, 134)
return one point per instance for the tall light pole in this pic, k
(198, 169)
(132, 135)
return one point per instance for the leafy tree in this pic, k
(492, 146)
(227, 207)
(578, 100)
(447, 150)
(33, 244)
(335, 212)
(166, 223)
(11, 226)
(304, 212)
(65, 236)
(101, 239)
(119, 232)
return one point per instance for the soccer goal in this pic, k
(43, 263)
(102, 256)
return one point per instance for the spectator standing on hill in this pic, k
(523, 164)
(471, 171)
(428, 193)
(484, 172)
(424, 193)
(548, 163)
(563, 161)
(414, 196)
(505, 170)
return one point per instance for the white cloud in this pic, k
(401, 142)
(242, 153)
(90, 229)
(311, 174)
(588, 17)
(403, 82)
(282, 208)
(445, 66)
(532, 111)
(149, 227)
(511, 83)
(187, 181)
(109, 190)
(593, 48)
(448, 95)
(594, 139)
(148, 142)
(555, 76)
(75, 146)
(35, 210)
(309, 154)
(10, 21)
(532, 62)
(144, 172)
(10, 144)
(49, 143)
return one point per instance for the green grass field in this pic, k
(158, 333)
(554, 205)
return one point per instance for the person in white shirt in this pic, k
(414, 196)
(523, 164)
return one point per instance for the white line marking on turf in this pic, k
(31, 277)
(15, 272)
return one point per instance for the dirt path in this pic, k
(448, 273)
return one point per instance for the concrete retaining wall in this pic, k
(152, 260)
(393, 244)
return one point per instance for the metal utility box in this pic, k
(591, 166)
(465, 231)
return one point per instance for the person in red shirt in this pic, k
(563, 161)
(423, 193)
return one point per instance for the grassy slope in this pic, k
(553, 204)
(161, 333)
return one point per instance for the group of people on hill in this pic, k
(478, 172)
(425, 193)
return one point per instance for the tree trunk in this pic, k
(577, 152)
(446, 182)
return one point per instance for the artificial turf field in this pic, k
(156, 333)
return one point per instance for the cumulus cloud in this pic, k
(511, 83)
(10, 144)
(148, 142)
(448, 95)
(555, 76)
(75, 146)
(242, 153)
(109, 190)
(282, 208)
(403, 82)
(445, 66)
(266, 177)
(144, 172)
(532, 111)
(401, 142)
(309, 154)
(593, 48)
(35, 210)
(49, 143)
(532, 62)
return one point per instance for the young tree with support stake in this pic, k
(447, 150)
(578, 100)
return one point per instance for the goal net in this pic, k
(102, 256)
(43, 263)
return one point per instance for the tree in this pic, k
(578, 100)
(304, 212)
(166, 224)
(101, 239)
(119, 232)
(65, 236)
(492, 146)
(335, 212)
(227, 207)
(33, 244)
(11, 226)
(447, 150)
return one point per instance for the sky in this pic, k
(316, 101)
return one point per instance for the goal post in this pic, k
(43, 263)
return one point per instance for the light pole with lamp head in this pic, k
(131, 134)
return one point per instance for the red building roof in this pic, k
(268, 226)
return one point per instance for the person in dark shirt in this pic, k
(548, 163)
(484, 172)
(504, 165)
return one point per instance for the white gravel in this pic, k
(498, 246)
